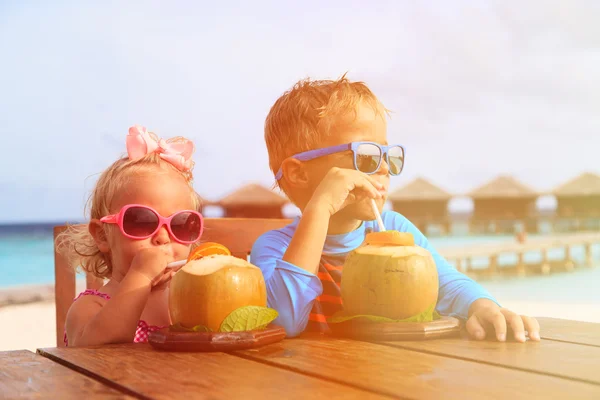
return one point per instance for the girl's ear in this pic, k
(295, 174)
(96, 229)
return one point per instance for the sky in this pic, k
(477, 89)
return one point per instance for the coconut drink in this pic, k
(219, 293)
(389, 276)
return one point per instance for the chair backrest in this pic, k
(237, 234)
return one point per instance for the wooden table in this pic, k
(24, 375)
(565, 364)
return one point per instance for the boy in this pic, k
(327, 145)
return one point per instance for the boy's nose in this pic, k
(161, 237)
(384, 168)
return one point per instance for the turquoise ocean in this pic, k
(27, 258)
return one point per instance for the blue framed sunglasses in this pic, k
(367, 156)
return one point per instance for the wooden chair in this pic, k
(237, 234)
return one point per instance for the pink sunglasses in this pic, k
(137, 221)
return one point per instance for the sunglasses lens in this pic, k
(186, 226)
(396, 160)
(139, 222)
(368, 157)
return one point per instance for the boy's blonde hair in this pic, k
(77, 244)
(304, 115)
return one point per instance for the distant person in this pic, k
(520, 233)
(521, 237)
(328, 149)
(143, 215)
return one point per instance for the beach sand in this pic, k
(31, 326)
(28, 326)
(28, 316)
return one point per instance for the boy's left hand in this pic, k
(486, 317)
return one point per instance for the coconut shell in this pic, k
(205, 291)
(390, 281)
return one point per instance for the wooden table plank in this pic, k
(410, 374)
(24, 374)
(587, 333)
(166, 375)
(549, 357)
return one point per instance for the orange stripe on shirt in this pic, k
(324, 276)
(317, 317)
(330, 267)
(325, 298)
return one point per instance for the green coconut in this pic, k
(388, 279)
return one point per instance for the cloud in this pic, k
(478, 89)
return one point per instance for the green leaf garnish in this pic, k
(426, 316)
(248, 318)
(180, 328)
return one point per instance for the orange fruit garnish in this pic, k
(390, 238)
(208, 249)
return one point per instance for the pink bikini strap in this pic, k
(92, 292)
(87, 292)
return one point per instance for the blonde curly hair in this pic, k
(77, 244)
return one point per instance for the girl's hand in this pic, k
(151, 263)
(162, 281)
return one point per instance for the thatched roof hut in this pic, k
(419, 189)
(579, 196)
(422, 203)
(586, 184)
(504, 200)
(503, 187)
(253, 201)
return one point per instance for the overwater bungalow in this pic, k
(253, 201)
(502, 205)
(578, 204)
(424, 204)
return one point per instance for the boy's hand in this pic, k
(486, 317)
(342, 186)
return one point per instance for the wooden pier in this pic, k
(462, 257)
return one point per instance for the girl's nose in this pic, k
(161, 237)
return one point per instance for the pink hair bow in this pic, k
(177, 151)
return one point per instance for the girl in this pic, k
(144, 215)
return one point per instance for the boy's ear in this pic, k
(295, 173)
(96, 229)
